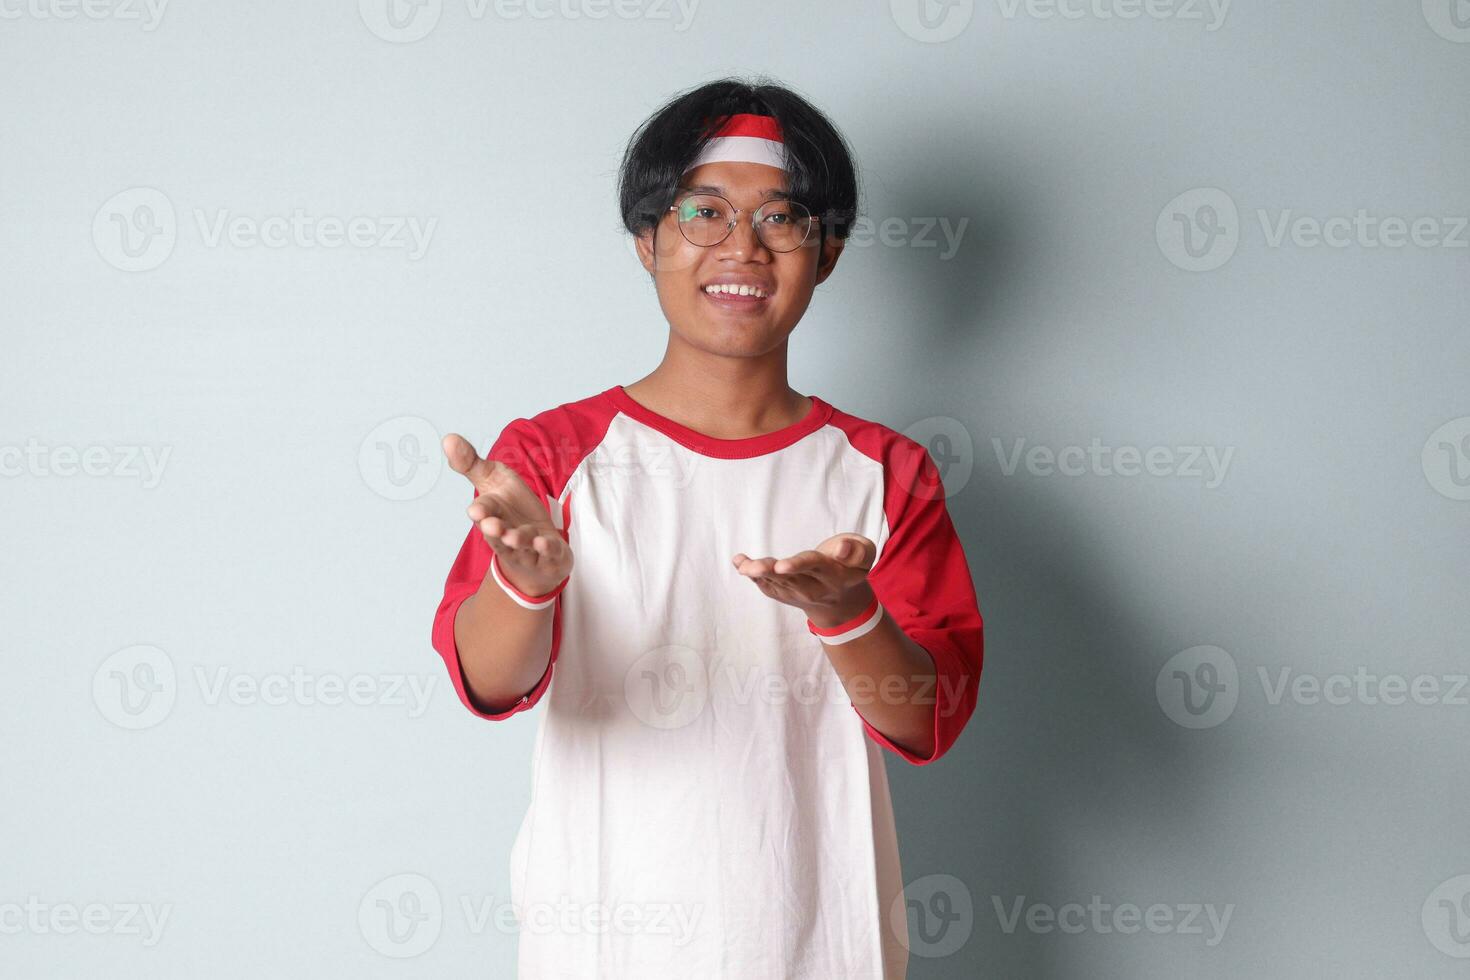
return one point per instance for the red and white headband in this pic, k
(745, 138)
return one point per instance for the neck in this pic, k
(723, 397)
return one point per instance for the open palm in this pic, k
(830, 573)
(531, 551)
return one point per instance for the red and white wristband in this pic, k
(855, 627)
(528, 601)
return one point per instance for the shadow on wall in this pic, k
(1067, 731)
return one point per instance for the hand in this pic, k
(829, 584)
(530, 550)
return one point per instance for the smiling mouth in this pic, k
(731, 296)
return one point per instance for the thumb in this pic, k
(852, 550)
(465, 461)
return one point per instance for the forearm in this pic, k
(504, 648)
(890, 679)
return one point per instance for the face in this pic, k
(683, 273)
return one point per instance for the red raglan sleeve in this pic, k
(922, 580)
(524, 447)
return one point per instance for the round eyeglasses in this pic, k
(708, 219)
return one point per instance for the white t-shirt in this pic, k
(708, 801)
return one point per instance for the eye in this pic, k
(701, 209)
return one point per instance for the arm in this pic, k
(922, 579)
(498, 623)
(504, 648)
(890, 679)
(913, 672)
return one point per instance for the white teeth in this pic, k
(736, 290)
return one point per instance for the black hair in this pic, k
(819, 166)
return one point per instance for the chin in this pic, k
(734, 339)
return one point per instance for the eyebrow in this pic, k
(770, 193)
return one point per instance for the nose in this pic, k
(742, 244)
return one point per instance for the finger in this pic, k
(482, 473)
(800, 580)
(785, 592)
(828, 576)
(853, 550)
(739, 560)
(802, 561)
(534, 539)
(551, 547)
(754, 567)
(522, 536)
(803, 588)
(492, 530)
(816, 573)
(508, 485)
(491, 475)
(765, 587)
(765, 578)
(552, 553)
(546, 553)
(463, 459)
(487, 505)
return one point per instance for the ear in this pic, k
(643, 242)
(831, 252)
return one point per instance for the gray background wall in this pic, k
(220, 704)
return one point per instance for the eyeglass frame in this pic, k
(735, 220)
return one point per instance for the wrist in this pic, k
(857, 600)
(519, 596)
(848, 620)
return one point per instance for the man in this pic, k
(731, 595)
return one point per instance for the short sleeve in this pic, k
(922, 580)
(523, 446)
